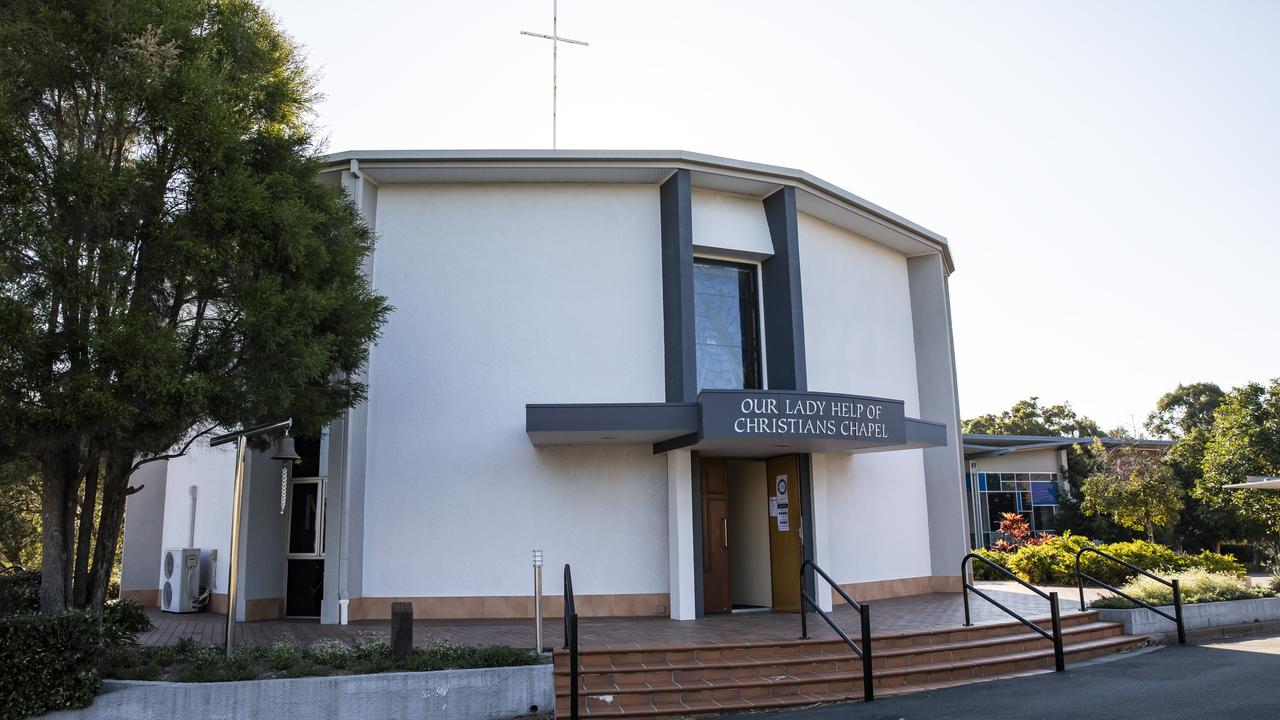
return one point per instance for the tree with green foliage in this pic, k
(19, 514)
(1133, 486)
(1029, 417)
(1245, 440)
(1185, 415)
(1184, 410)
(169, 263)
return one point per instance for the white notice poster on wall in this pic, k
(784, 506)
(773, 507)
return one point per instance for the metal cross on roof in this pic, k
(555, 39)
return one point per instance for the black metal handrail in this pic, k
(1055, 613)
(571, 641)
(1172, 584)
(864, 613)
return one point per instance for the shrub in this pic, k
(1198, 585)
(19, 590)
(122, 620)
(1053, 561)
(1050, 562)
(284, 654)
(1219, 563)
(502, 656)
(331, 652)
(48, 662)
(371, 647)
(982, 572)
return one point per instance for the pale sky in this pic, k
(1107, 173)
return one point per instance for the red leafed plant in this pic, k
(1016, 532)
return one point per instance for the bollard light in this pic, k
(537, 600)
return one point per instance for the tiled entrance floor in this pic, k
(906, 614)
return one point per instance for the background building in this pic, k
(1025, 474)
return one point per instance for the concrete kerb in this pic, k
(482, 694)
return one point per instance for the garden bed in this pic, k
(367, 654)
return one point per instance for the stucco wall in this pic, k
(212, 472)
(1037, 461)
(728, 224)
(858, 337)
(140, 557)
(507, 295)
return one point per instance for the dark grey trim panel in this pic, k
(676, 443)
(784, 306)
(676, 201)
(608, 417)
(806, 520)
(926, 432)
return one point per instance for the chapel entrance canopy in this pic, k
(739, 423)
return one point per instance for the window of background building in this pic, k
(726, 325)
(1034, 496)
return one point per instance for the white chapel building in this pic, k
(680, 374)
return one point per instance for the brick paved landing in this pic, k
(917, 613)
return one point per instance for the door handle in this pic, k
(725, 519)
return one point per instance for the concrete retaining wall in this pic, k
(1195, 617)
(485, 694)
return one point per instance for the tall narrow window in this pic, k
(726, 325)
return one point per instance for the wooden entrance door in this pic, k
(715, 535)
(785, 547)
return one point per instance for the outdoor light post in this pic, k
(537, 598)
(284, 451)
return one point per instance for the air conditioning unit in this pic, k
(180, 580)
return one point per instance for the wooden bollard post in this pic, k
(401, 630)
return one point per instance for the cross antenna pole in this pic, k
(555, 39)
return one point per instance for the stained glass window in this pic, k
(725, 326)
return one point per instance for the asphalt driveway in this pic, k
(1226, 679)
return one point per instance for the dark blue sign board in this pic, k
(784, 414)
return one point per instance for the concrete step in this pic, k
(732, 677)
(636, 656)
(842, 660)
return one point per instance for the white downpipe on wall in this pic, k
(191, 526)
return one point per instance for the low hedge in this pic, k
(1053, 562)
(48, 662)
(19, 590)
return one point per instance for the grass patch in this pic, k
(287, 658)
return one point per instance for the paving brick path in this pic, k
(906, 614)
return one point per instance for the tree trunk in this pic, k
(84, 534)
(60, 475)
(114, 490)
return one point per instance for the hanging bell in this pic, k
(285, 450)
